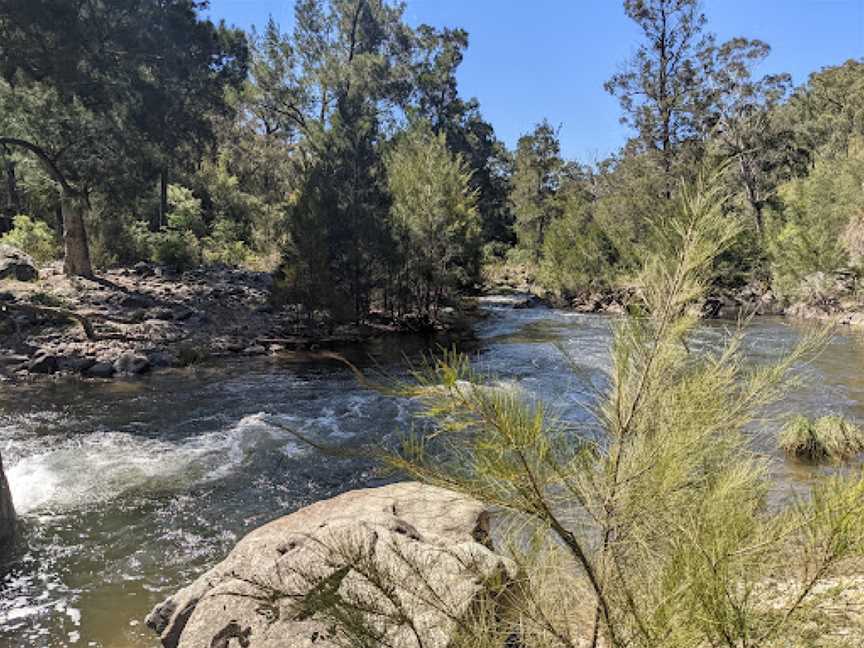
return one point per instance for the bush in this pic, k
(576, 255)
(830, 438)
(655, 506)
(185, 211)
(175, 248)
(33, 237)
(816, 228)
(225, 244)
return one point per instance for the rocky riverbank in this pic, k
(128, 321)
(824, 299)
(404, 563)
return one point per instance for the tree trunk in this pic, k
(77, 261)
(13, 200)
(163, 198)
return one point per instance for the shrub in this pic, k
(656, 506)
(830, 438)
(175, 248)
(225, 244)
(816, 228)
(185, 211)
(33, 237)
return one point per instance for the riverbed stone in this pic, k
(14, 264)
(131, 364)
(43, 362)
(430, 544)
(102, 369)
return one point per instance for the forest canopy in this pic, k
(342, 155)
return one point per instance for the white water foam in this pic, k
(102, 465)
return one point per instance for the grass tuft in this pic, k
(829, 438)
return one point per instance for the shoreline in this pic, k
(130, 321)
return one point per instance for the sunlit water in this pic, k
(128, 490)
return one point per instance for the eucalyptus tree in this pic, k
(126, 82)
(828, 110)
(660, 87)
(745, 124)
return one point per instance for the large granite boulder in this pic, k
(14, 264)
(7, 510)
(395, 566)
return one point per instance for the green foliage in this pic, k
(537, 179)
(830, 438)
(177, 249)
(630, 197)
(433, 217)
(225, 244)
(577, 255)
(33, 237)
(651, 521)
(807, 236)
(185, 212)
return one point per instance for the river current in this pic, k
(129, 489)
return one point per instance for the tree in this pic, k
(660, 87)
(353, 58)
(138, 74)
(436, 99)
(828, 111)
(536, 180)
(745, 126)
(433, 217)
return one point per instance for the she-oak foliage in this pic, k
(434, 219)
(652, 525)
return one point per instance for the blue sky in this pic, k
(530, 59)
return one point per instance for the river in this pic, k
(129, 489)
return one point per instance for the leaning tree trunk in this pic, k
(77, 251)
(13, 200)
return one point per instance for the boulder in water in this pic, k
(7, 509)
(14, 264)
(431, 546)
(100, 370)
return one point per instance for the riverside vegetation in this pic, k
(339, 170)
(342, 157)
(649, 525)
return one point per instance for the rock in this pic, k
(265, 309)
(137, 300)
(515, 300)
(44, 363)
(131, 364)
(7, 509)
(143, 269)
(255, 349)
(161, 314)
(14, 264)
(7, 297)
(12, 359)
(77, 363)
(432, 545)
(100, 370)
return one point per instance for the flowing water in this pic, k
(128, 490)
